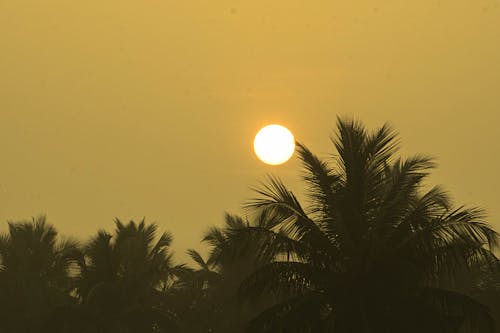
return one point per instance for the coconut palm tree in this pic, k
(190, 295)
(203, 277)
(372, 251)
(36, 274)
(124, 278)
(206, 293)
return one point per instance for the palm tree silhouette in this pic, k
(191, 294)
(204, 277)
(36, 274)
(371, 252)
(124, 278)
(212, 285)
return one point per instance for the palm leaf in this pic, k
(196, 256)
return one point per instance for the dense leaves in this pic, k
(35, 274)
(122, 283)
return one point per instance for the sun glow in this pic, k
(274, 144)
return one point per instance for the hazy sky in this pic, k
(148, 108)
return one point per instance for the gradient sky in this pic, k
(148, 108)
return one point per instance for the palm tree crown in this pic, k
(371, 250)
(123, 280)
(35, 274)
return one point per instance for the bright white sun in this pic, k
(274, 144)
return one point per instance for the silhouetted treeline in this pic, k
(370, 251)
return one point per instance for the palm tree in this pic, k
(124, 278)
(190, 295)
(205, 276)
(36, 274)
(372, 252)
(206, 293)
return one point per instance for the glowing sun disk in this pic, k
(274, 144)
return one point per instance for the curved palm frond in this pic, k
(270, 244)
(281, 203)
(196, 256)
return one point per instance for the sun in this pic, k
(274, 144)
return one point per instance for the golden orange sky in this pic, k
(149, 108)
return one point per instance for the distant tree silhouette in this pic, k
(123, 281)
(371, 252)
(191, 296)
(35, 275)
(213, 284)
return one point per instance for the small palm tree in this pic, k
(123, 281)
(36, 274)
(371, 252)
(211, 287)
(190, 295)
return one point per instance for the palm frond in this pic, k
(380, 147)
(234, 221)
(319, 176)
(465, 225)
(196, 257)
(283, 205)
(444, 246)
(400, 190)
(266, 244)
(163, 242)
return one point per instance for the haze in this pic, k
(136, 109)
